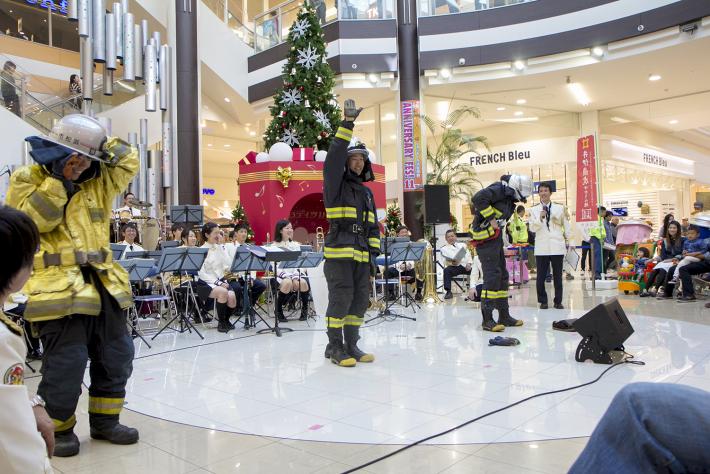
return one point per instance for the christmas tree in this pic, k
(240, 217)
(305, 112)
(393, 219)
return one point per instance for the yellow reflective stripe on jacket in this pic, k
(374, 242)
(44, 206)
(497, 213)
(352, 320)
(335, 323)
(344, 134)
(347, 253)
(60, 425)
(487, 212)
(490, 294)
(483, 234)
(105, 406)
(340, 213)
(370, 217)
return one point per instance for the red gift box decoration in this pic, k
(250, 158)
(303, 154)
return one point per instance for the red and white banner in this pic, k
(586, 180)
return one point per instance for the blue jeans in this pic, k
(651, 427)
(598, 255)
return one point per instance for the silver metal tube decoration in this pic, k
(108, 81)
(111, 42)
(143, 157)
(98, 30)
(87, 69)
(128, 47)
(150, 70)
(165, 74)
(155, 177)
(156, 37)
(84, 15)
(167, 152)
(124, 6)
(118, 15)
(133, 138)
(73, 10)
(137, 51)
(145, 31)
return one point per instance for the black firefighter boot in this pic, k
(223, 324)
(504, 316)
(489, 323)
(335, 351)
(305, 298)
(66, 444)
(279, 310)
(108, 428)
(352, 334)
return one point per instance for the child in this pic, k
(693, 248)
(642, 258)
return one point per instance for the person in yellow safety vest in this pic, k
(77, 294)
(517, 227)
(597, 234)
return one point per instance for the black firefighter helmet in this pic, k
(359, 148)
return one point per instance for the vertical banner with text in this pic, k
(586, 183)
(412, 179)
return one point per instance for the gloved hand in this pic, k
(351, 111)
(114, 149)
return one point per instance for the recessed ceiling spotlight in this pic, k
(500, 109)
(518, 113)
(445, 73)
(673, 122)
(654, 77)
(519, 65)
(227, 99)
(597, 51)
(521, 101)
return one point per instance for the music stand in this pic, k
(387, 245)
(117, 251)
(308, 259)
(187, 214)
(275, 255)
(181, 260)
(412, 251)
(138, 270)
(249, 258)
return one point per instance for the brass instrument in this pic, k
(320, 239)
(430, 295)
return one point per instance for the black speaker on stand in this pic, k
(604, 328)
(437, 210)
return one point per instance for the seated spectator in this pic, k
(686, 272)
(642, 258)
(405, 269)
(671, 246)
(693, 249)
(454, 267)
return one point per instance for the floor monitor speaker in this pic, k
(604, 328)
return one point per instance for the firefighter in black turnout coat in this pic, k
(492, 205)
(352, 242)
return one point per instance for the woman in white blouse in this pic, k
(290, 280)
(212, 274)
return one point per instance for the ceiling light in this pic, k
(209, 144)
(673, 122)
(521, 101)
(252, 133)
(248, 124)
(227, 100)
(519, 65)
(445, 73)
(227, 145)
(578, 92)
(597, 51)
(388, 116)
(654, 77)
(393, 137)
(373, 78)
(619, 120)
(500, 109)
(518, 113)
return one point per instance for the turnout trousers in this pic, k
(69, 343)
(495, 278)
(348, 292)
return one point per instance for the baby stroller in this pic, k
(629, 281)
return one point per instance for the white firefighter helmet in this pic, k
(522, 184)
(80, 133)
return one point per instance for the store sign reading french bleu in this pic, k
(502, 157)
(654, 160)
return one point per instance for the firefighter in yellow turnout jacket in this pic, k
(353, 239)
(77, 293)
(493, 204)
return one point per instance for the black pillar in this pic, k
(186, 80)
(408, 45)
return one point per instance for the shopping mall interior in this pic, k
(522, 81)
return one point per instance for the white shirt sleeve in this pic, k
(476, 273)
(448, 251)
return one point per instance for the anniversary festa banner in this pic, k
(412, 179)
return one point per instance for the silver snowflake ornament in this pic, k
(322, 119)
(290, 137)
(291, 97)
(307, 57)
(299, 28)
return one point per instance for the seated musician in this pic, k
(406, 269)
(129, 233)
(188, 238)
(238, 237)
(211, 282)
(454, 268)
(128, 210)
(290, 280)
(177, 231)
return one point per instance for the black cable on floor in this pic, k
(627, 360)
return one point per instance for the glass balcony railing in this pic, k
(230, 14)
(271, 27)
(445, 7)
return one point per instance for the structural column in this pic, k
(187, 90)
(411, 134)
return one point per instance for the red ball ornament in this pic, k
(283, 125)
(300, 88)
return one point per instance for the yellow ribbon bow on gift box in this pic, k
(284, 175)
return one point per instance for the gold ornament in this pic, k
(284, 175)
